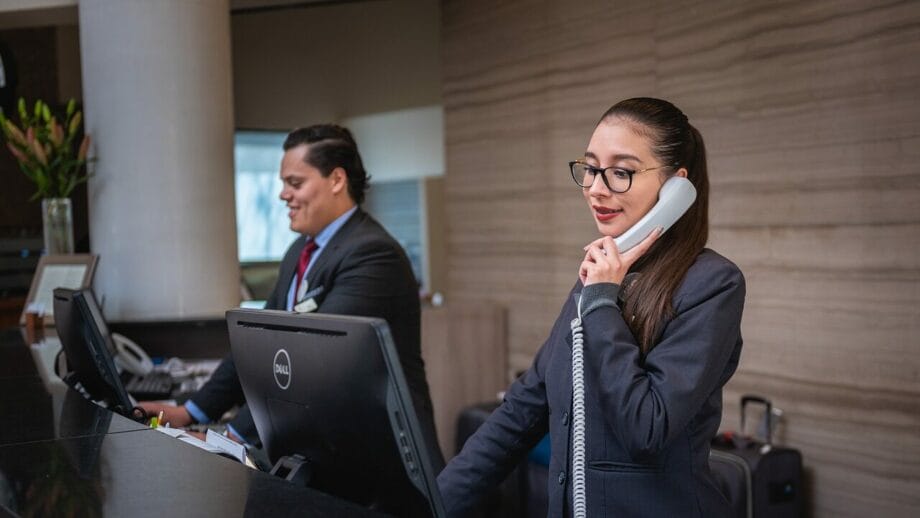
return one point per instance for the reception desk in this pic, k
(61, 455)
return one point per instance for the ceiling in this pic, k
(44, 13)
(239, 6)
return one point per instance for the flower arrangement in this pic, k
(45, 148)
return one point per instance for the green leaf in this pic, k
(60, 170)
(41, 180)
(29, 172)
(74, 124)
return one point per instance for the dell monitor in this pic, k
(330, 390)
(88, 347)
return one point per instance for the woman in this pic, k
(657, 350)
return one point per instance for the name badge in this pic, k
(302, 291)
(306, 306)
(312, 293)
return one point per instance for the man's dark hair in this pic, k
(332, 146)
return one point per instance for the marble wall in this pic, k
(811, 116)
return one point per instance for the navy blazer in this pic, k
(650, 418)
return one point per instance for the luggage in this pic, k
(760, 479)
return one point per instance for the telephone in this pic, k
(130, 357)
(675, 197)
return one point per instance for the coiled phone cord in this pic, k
(579, 496)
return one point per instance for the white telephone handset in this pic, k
(675, 197)
(130, 357)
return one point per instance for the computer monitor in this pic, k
(88, 346)
(330, 388)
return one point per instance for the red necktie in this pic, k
(303, 262)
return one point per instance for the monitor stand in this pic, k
(294, 468)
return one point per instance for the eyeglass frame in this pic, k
(603, 172)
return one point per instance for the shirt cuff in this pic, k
(598, 295)
(196, 413)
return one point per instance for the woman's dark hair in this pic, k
(332, 146)
(675, 143)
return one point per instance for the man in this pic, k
(343, 263)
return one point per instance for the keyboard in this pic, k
(156, 385)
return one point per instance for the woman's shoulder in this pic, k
(710, 273)
(710, 261)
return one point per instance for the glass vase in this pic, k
(57, 219)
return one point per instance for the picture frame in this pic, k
(74, 271)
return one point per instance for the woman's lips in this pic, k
(604, 214)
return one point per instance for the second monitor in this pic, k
(331, 389)
(87, 345)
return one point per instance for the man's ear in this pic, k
(339, 180)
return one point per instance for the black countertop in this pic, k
(61, 455)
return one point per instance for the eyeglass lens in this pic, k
(617, 180)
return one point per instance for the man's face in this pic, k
(310, 197)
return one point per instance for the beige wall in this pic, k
(811, 116)
(332, 62)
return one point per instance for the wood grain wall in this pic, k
(811, 115)
(465, 355)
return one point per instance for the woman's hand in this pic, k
(604, 263)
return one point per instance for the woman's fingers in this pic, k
(587, 272)
(594, 244)
(597, 254)
(610, 247)
(603, 261)
(633, 255)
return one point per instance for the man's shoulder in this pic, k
(368, 232)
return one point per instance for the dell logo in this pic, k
(282, 369)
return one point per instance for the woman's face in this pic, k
(615, 144)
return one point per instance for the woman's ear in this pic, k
(681, 172)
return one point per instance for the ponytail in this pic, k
(648, 298)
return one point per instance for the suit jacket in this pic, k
(650, 418)
(362, 271)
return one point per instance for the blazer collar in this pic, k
(334, 244)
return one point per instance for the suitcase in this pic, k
(760, 479)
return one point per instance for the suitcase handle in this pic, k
(768, 415)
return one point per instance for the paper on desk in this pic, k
(183, 436)
(235, 449)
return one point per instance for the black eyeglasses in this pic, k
(618, 180)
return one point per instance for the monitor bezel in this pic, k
(96, 372)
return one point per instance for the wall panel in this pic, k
(812, 123)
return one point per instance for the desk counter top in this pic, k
(61, 455)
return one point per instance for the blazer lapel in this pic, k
(330, 253)
(285, 274)
(290, 261)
